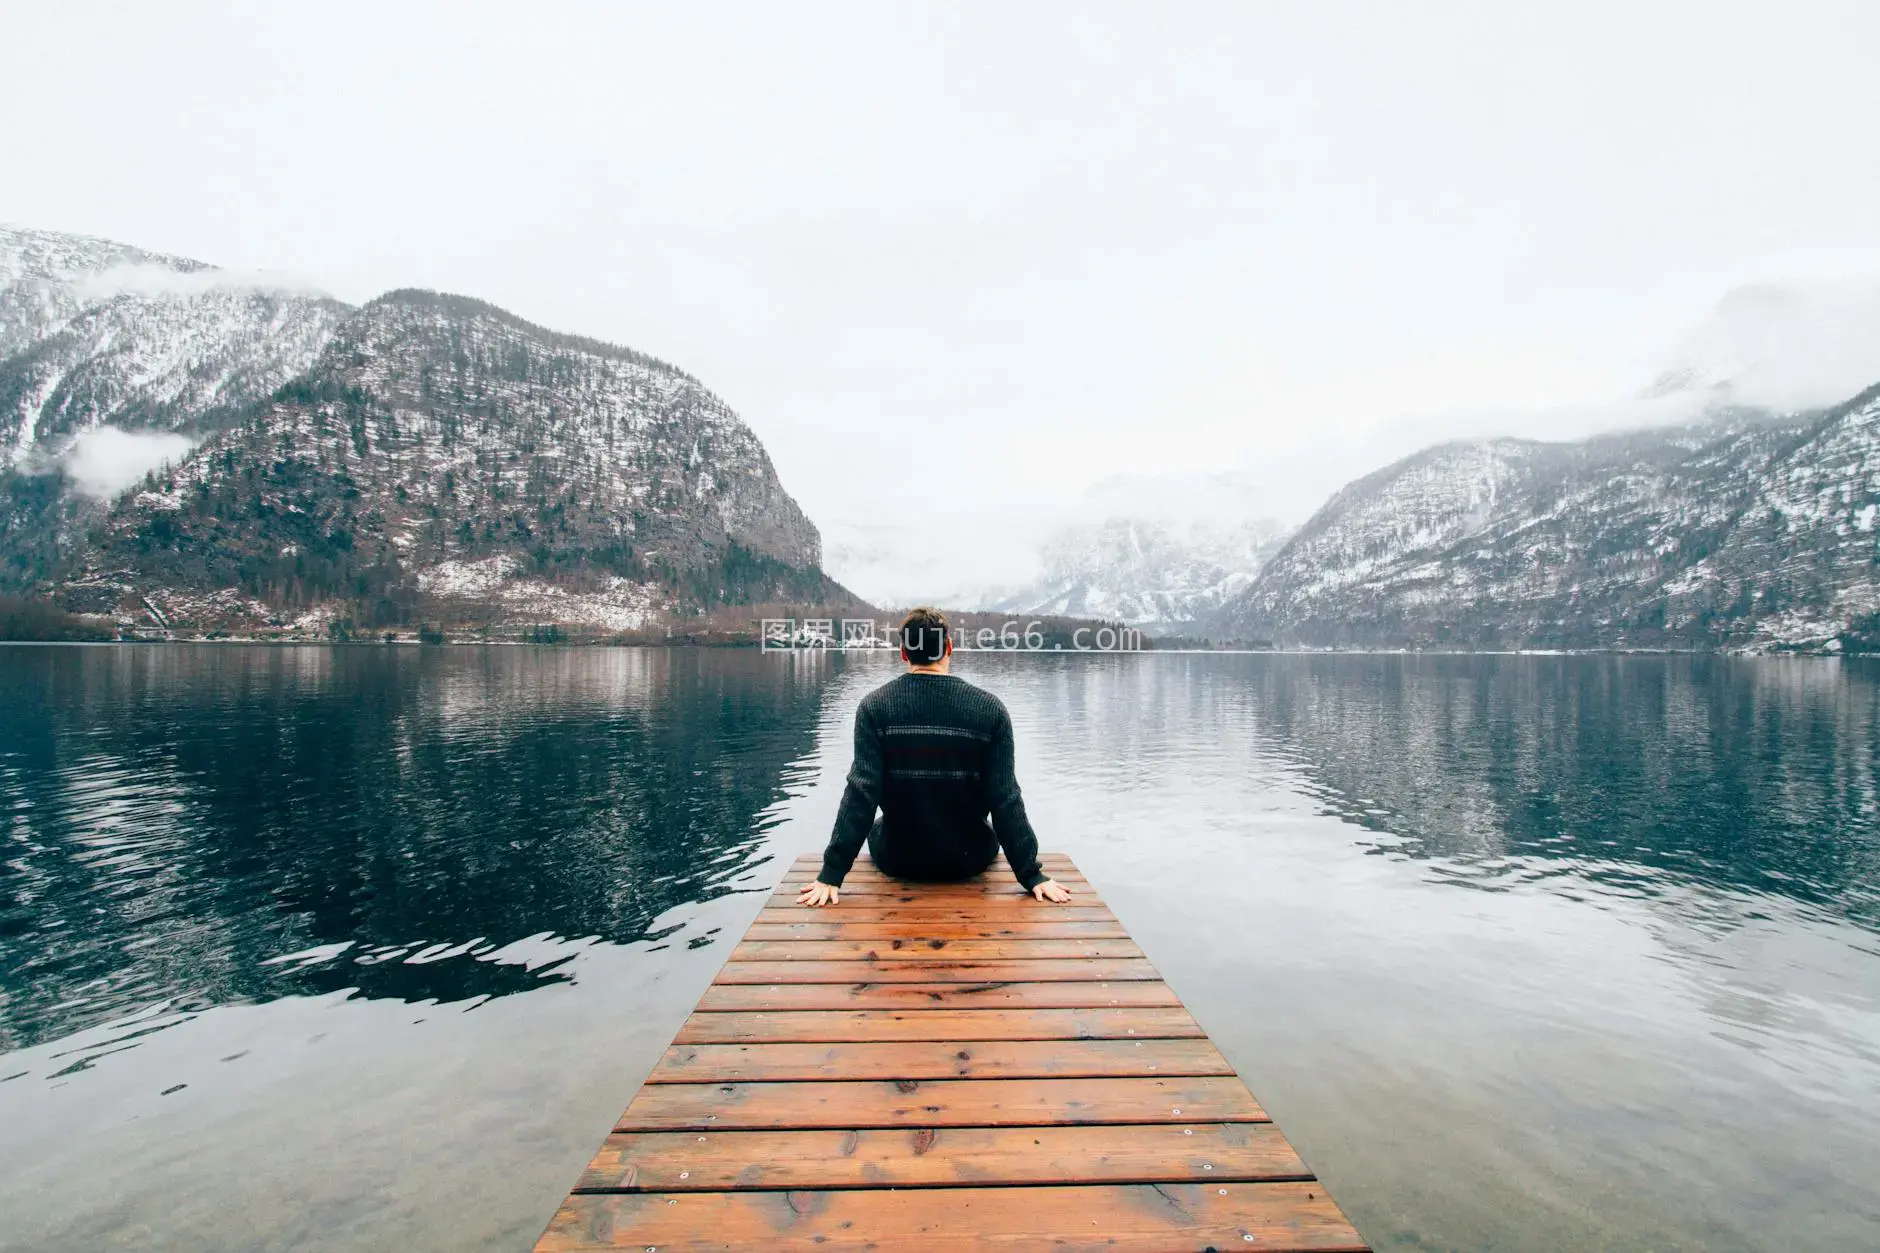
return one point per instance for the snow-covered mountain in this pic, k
(46, 277)
(1748, 529)
(1163, 549)
(1167, 550)
(1146, 570)
(94, 332)
(422, 456)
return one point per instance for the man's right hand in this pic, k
(818, 894)
(1053, 891)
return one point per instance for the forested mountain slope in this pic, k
(1747, 530)
(424, 455)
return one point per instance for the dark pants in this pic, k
(898, 861)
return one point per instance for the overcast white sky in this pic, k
(1042, 243)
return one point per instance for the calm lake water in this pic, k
(362, 948)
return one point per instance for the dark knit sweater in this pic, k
(934, 753)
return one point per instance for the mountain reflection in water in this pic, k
(212, 826)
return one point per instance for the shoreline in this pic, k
(1815, 654)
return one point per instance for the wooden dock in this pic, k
(935, 1067)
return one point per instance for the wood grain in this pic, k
(940, 968)
(721, 997)
(995, 910)
(864, 865)
(924, 950)
(833, 924)
(1131, 1218)
(853, 1105)
(875, 883)
(938, 1059)
(679, 1161)
(940, 1024)
(950, 896)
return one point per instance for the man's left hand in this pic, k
(1053, 891)
(818, 894)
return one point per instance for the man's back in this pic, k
(935, 754)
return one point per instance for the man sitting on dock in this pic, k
(934, 754)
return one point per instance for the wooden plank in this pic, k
(1001, 890)
(681, 1161)
(1001, 879)
(922, 1059)
(939, 1024)
(1134, 1218)
(948, 896)
(938, 968)
(903, 950)
(945, 894)
(1000, 882)
(837, 924)
(996, 912)
(856, 1105)
(813, 861)
(995, 883)
(881, 883)
(951, 895)
(997, 872)
(720, 998)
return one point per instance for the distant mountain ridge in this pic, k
(1163, 550)
(422, 455)
(1746, 530)
(1146, 570)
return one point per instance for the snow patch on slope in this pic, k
(616, 604)
(467, 578)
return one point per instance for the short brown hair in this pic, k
(924, 636)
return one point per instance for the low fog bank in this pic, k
(1784, 347)
(152, 279)
(107, 461)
